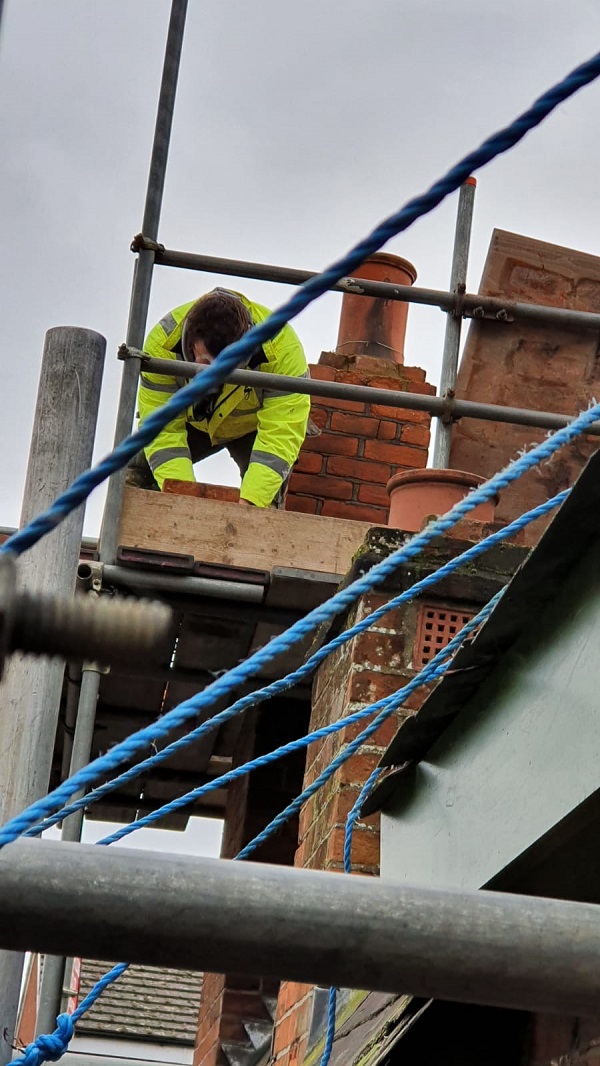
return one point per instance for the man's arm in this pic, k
(168, 455)
(281, 430)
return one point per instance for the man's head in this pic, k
(214, 321)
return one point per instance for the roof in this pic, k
(534, 586)
(146, 1003)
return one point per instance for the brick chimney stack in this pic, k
(344, 471)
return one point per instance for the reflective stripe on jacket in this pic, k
(279, 419)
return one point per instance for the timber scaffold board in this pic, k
(218, 532)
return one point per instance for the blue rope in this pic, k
(276, 687)
(353, 818)
(214, 375)
(127, 749)
(329, 1038)
(434, 670)
(234, 355)
(350, 824)
(52, 1046)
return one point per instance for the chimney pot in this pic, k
(370, 325)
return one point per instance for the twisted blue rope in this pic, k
(277, 687)
(434, 670)
(330, 1035)
(236, 354)
(214, 375)
(52, 1046)
(127, 749)
(350, 824)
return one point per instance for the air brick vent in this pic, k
(436, 626)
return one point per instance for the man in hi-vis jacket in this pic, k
(263, 430)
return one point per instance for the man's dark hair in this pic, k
(217, 319)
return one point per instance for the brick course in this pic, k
(342, 473)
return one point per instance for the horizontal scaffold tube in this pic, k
(309, 926)
(469, 305)
(438, 406)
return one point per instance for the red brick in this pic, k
(307, 817)
(384, 735)
(335, 359)
(284, 1034)
(375, 494)
(415, 435)
(224, 493)
(370, 365)
(334, 509)
(327, 487)
(212, 987)
(343, 405)
(380, 649)
(389, 430)
(205, 1054)
(355, 424)
(301, 504)
(359, 470)
(423, 388)
(370, 685)
(396, 454)
(321, 373)
(414, 373)
(394, 384)
(398, 618)
(308, 463)
(331, 444)
(341, 803)
(319, 414)
(365, 846)
(390, 414)
(357, 769)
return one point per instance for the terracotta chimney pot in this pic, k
(372, 326)
(417, 496)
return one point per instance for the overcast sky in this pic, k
(297, 127)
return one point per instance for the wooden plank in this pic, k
(218, 532)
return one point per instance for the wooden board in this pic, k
(217, 532)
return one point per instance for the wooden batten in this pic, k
(217, 532)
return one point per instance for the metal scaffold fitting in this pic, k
(109, 631)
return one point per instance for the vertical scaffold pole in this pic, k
(142, 279)
(55, 969)
(61, 448)
(458, 280)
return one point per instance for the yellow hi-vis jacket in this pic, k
(278, 418)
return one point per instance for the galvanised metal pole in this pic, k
(61, 448)
(414, 401)
(471, 305)
(301, 925)
(54, 969)
(458, 285)
(140, 295)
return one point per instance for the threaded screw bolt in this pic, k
(109, 631)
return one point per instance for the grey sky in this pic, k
(297, 127)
